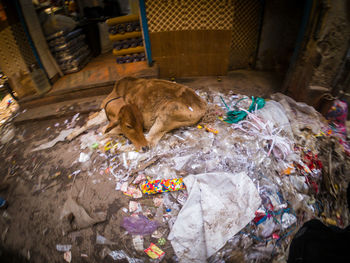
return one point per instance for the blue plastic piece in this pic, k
(2, 202)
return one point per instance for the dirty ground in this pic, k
(84, 176)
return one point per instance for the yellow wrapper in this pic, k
(154, 252)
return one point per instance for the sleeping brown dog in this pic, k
(154, 105)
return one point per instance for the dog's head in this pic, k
(129, 121)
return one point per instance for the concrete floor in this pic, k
(248, 82)
(102, 70)
(96, 78)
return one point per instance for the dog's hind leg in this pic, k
(174, 115)
(163, 125)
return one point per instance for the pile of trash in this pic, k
(235, 187)
(8, 108)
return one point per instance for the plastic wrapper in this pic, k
(57, 34)
(267, 228)
(154, 252)
(275, 113)
(299, 184)
(67, 256)
(61, 40)
(71, 43)
(260, 253)
(133, 192)
(270, 134)
(137, 241)
(120, 255)
(300, 115)
(101, 240)
(79, 67)
(75, 62)
(62, 55)
(134, 207)
(69, 56)
(139, 225)
(288, 220)
(161, 186)
(63, 248)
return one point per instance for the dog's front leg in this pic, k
(156, 132)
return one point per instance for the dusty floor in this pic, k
(36, 185)
(250, 83)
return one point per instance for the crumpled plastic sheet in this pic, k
(300, 115)
(7, 133)
(120, 255)
(281, 146)
(139, 225)
(274, 112)
(61, 137)
(101, 240)
(219, 205)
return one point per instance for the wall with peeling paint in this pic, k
(325, 46)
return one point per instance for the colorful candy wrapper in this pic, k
(161, 186)
(211, 130)
(154, 252)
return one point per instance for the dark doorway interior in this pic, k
(281, 25)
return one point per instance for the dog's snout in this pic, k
(145, 148)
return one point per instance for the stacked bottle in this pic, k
(131, 58)
(126, 34)
(127, 43)
(125, 27)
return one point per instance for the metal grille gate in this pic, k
(245, 33)
(243, 17)
(176, 15)
(15, 51)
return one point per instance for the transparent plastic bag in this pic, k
(300, 115)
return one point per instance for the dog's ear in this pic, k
(137, 113)
(112, 125)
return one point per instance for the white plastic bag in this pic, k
(219, 205)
